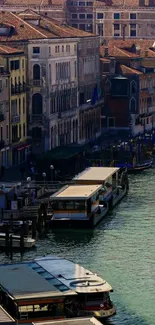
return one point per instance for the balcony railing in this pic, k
(15, 119)
(18, 89)
(15, 139)
(37, 118)
(2, 144)
(37, 83)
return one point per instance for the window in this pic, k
(75, 69)
(57, 49)
(81, 16)
(0, 86)
(89, 4)
(75, 25)
(19, 106)
(89, 27)
(36, 50)
(73, 3)
(100, 29)
(74, 47)
(1, 132)
(49, 50)
(7, 131)
(100, 15)
(15, 65)
(20, 132)
(116, 30)
(23, 105)
(62, 48)
(6, 83)
(132, 30)
(89, 16)
(68, 48)
(24, 130)
(133, 87)
(82, 4)
(74, 16)
(132, 16)
(23, 64)
(82, 26)
(116, 15)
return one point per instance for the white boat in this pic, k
(53, 287)
(84, 204)
(28, 242)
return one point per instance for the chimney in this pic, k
(106, 51)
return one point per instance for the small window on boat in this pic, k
(25, 309)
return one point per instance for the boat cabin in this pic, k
(75, 201)
(52, 288)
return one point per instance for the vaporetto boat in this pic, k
(53, 288)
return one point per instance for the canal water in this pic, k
(121, 249)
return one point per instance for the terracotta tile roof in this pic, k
(104, 60)
(117, 3)
(8, 50)
(117, 52)
(127, 70)
(48, 28)
(33, 3)
(142, 43)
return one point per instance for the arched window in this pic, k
(133, 87)
(133, 105)
(107, 86)
(37, 104)
(36, 72)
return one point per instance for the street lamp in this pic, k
(28, 186)
(52, 172)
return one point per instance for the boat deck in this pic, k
(73, 321)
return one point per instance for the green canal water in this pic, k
(121, 249)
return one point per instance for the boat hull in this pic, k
(28, 242)
(138, 168)
(87, 223)
(98, 314)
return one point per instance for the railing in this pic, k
(37, 83)
(15, 119)
(37, 118)
(18, 89)
(14, 140)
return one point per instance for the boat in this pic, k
(53, 288)
(16, 241)
(131, 168)
(85, 203)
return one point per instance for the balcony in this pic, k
(37, 118)
(15, 119)
(18, 89)
(37, 83)
(16, 139)
(2, 118)
(2, 144)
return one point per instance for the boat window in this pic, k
(95, 296)
(26, 309)
(40, 307)
(69, 205)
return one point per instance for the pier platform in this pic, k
(5, 318)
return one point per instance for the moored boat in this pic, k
(28, 242)
(136, 168)
(84, 204)
(53, 288)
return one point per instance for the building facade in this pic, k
(5, 151)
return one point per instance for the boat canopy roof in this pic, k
(96, 174)
(76, 192)
(72, 321)
(49, 277)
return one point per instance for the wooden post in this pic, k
(11, 246)
(22, 240)
(7, 240)
(34, 226)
